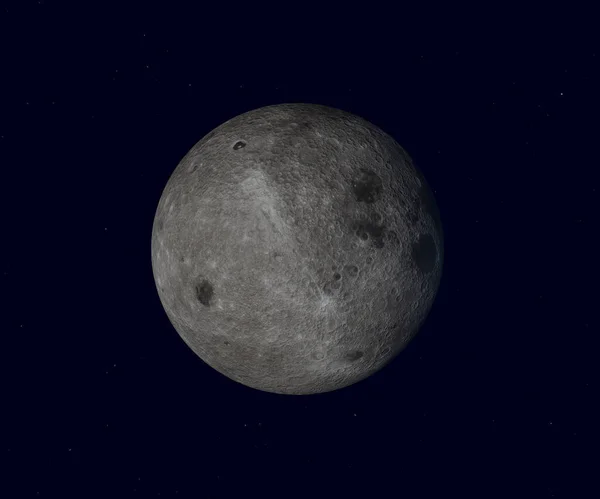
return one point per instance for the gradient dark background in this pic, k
(496, 397)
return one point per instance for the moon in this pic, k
(296, 249)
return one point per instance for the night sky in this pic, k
(498, 394)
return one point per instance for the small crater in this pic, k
(328, 289)
(412, 217)
(364, 236)
(160, 225)
(239, 145)
(181, 259)
(304, 127)
(374, 230)
(385, 352)
(204, 292)
(193, 167)
(317, 355)
(337, 276)
(392, 237)
(354, 356)
(336, 285)
(409, 296)
(226, 343)
(369, 260)
(368, 188)
(351, 270)
(424, 253)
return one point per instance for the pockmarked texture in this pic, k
(297, 249)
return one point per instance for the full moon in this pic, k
(297, 249)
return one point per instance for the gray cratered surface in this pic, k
(296, 249)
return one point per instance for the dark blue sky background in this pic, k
(496, 397)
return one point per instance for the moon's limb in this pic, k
(296, 249)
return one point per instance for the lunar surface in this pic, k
(296, 249)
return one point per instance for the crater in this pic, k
(428, 204)
(351, 270)
(368, 187)
(204, 292)
(424, 253)
(239, 145)
(369, 230)
(354, 356)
